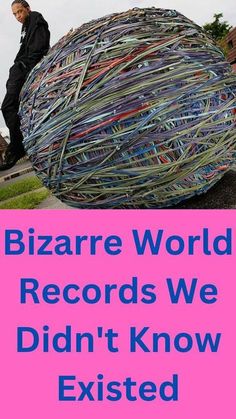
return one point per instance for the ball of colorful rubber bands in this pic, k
(132, 110)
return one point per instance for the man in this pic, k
(35, 38)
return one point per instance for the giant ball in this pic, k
(132, 110)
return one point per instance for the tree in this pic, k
(218, 30)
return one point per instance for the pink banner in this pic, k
(110, 314)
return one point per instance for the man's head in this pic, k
(21, 10)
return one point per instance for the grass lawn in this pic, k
(23, 194)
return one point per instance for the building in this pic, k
(231, 41)
(3, 146)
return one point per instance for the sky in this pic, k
(62, 15)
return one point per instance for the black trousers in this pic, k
(10, 108)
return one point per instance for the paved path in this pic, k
(52, 203)
(19, 171)
(220, 196)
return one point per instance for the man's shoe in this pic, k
(11, 158)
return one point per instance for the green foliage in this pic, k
(217, 29)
